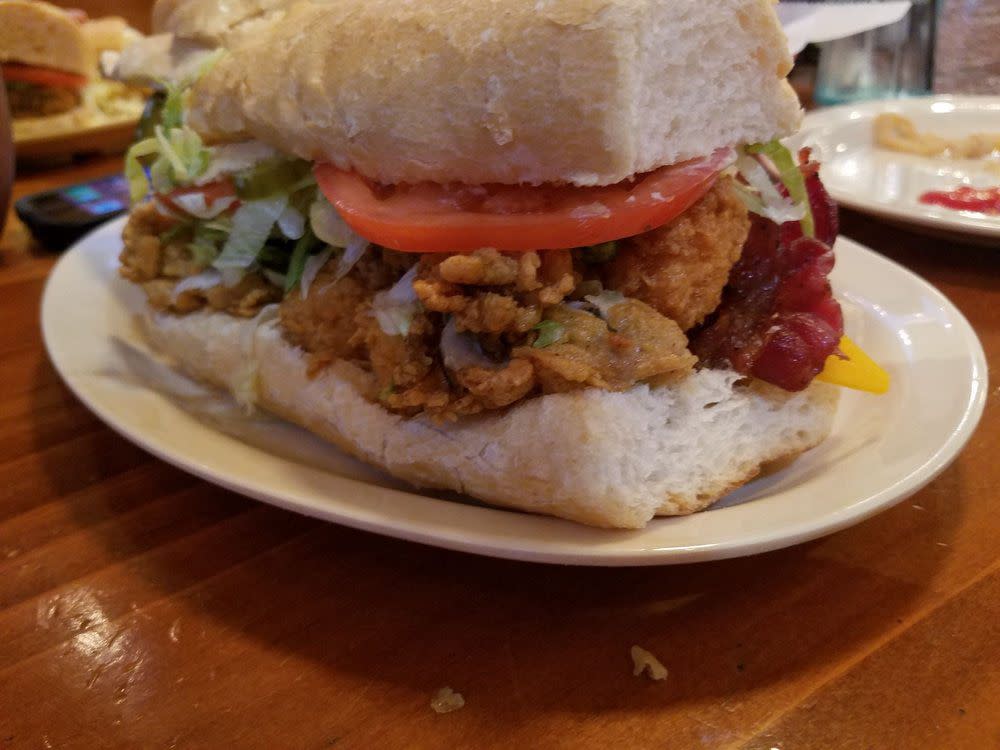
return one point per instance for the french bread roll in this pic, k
(38, 33)
(211, 22)
(587, 92)
(598, 457)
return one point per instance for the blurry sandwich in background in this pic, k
(50, 60)
(44, 57)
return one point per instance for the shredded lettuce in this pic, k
(252, 224)
(311, 268)
(204, 280)
(172, 109)
(278, 279)
(328, 224)
(196, 205)
(549, 333)
(297, 262)
(152, 114)
(269, 231)
(232, 276)
(230, 158)
(175, 102)
(394, 308)
(186, 153)
(292, 223)
(605, 301)
(352, 254)
(174, 153)
(762, 196)
(161, 175)
(779, 213)
(788, 173)
(222, 224)
(138, 185)
(206, 243)
(272, 176)
(177, 157)
(461, 349)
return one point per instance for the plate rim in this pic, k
(954, 223)
(459, 539)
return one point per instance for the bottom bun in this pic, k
(598, 457)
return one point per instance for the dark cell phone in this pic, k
(58, 217)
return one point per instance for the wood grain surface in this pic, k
(143, 608)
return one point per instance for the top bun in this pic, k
(212, 22)
(587, 92)
(37, 33)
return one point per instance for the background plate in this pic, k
(110, 136)
(881, 449)
(888, 183)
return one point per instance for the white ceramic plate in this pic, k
(887, 183)
(881, 450)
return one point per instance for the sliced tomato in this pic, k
(212, 191)
(428, 217)
(40, 76)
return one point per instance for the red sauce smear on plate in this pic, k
(980, 200)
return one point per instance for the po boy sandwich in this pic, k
(549, 254)
(50, 67)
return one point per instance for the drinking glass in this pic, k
(893, 61)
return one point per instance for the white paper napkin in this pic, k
(823, 22)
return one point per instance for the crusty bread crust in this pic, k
(210, 21)
(38, 33)
(586, 92)
(597, 457)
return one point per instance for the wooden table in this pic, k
(141, 607)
